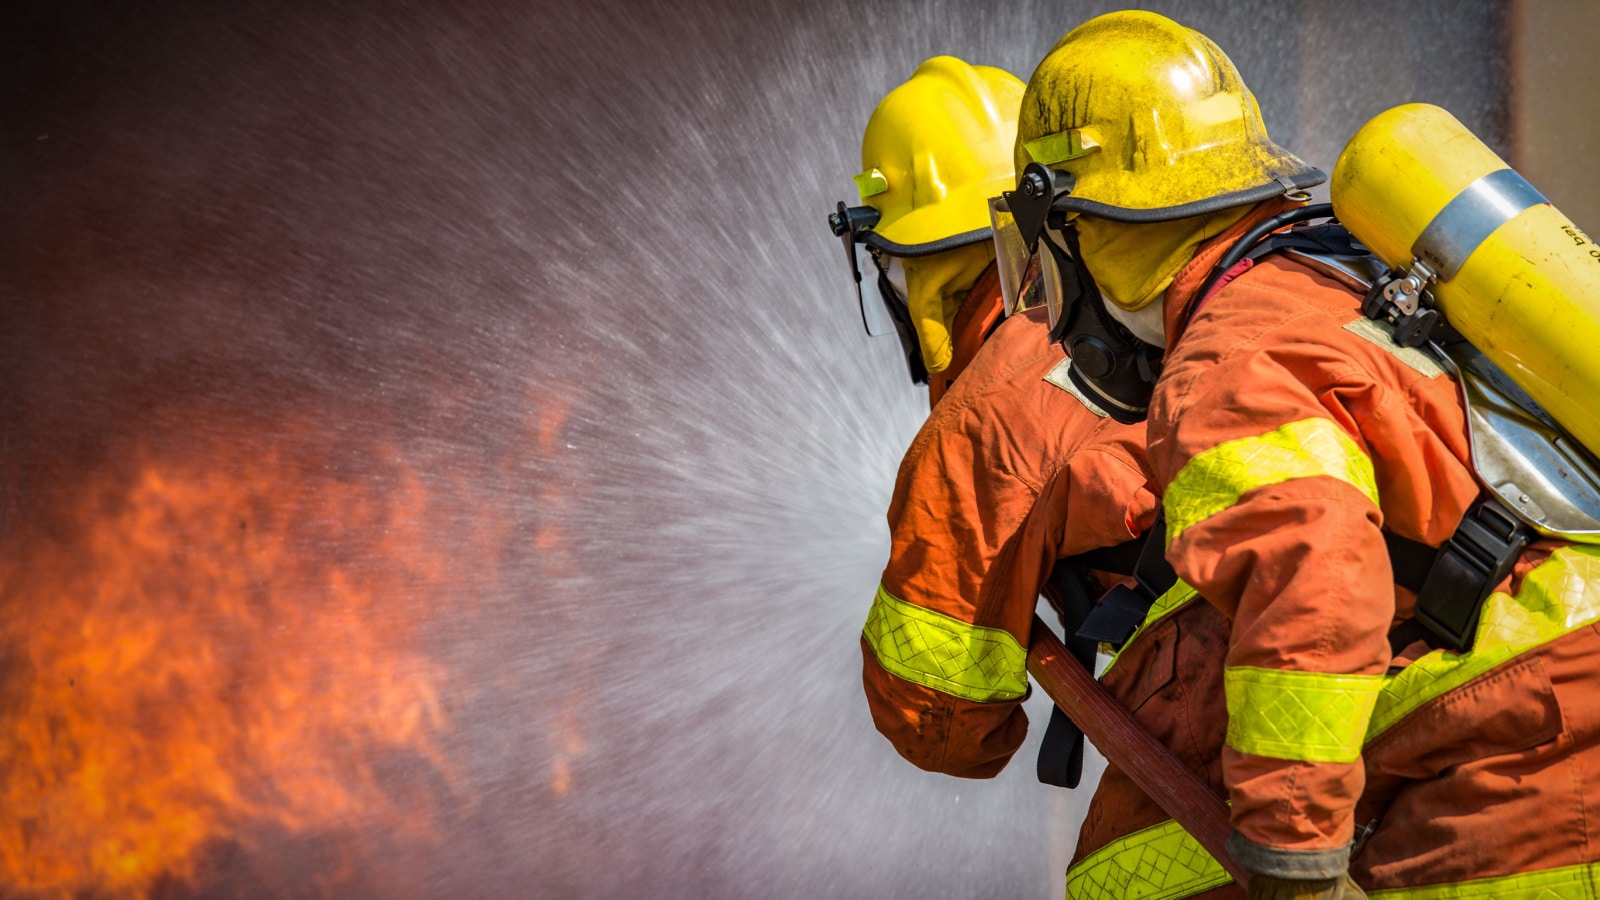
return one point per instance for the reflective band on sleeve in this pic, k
(1557, 598)
(1580, 882)
(1470, 217)
(1304, 716)
(1161, 862)
(946, 654)
(1215, 479)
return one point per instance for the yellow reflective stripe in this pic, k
(871, 183)
(946, 654)
(1559, 597)
(1215, 479)
(1580, 882)
(1053, 149)
(1161, 862)
(1168, 603)
(1306, 716)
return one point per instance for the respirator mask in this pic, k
(1112, 368)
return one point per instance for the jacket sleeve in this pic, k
(945, 680)
(1272, 514)
(967, 727)
(976, 526)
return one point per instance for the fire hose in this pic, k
(1122, 740)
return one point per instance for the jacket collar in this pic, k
(1180, 295)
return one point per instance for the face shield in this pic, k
(1064, 282)
(894, 269)
(887, 313)
(1112, 367)
(1012, 258)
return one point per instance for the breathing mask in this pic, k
(1110, 365)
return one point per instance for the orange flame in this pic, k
(553, 547)
(207, 649)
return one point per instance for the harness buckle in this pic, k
(1470, 564)
(1123, 609)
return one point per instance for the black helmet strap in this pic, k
(901, 314)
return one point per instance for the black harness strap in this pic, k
(1410, 560)
(1061, 751)
(1119, 558)
(1453, 581)
(1467, 569)
(1121, 611)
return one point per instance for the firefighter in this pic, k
(1016, 485)
(1299, 450)
(935, 150)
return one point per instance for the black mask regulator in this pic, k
(1110, 366)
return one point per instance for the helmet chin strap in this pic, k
(894, 299)
(1147, 324)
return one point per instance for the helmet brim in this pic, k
(1310, 177)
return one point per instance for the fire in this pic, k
(557, 555)
(213, 648)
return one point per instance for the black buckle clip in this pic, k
(1411, 330)
(1123, 609)
(1116, 617)
(1469, 566)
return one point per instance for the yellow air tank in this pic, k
(1511, 273)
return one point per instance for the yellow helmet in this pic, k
(934, 152)
(936, 149)
(1152, 122)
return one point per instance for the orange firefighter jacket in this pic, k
(978, 315)
(979, 516)
(1286, 433)
(1169, 675)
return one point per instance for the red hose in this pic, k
(1116, 734)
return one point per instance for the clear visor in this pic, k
(1061, 286)
(1011, 254)
(896, 271)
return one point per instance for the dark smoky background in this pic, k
(535, 305)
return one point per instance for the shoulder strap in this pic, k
(1123, 609)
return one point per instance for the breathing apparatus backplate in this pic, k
(1514, 442)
